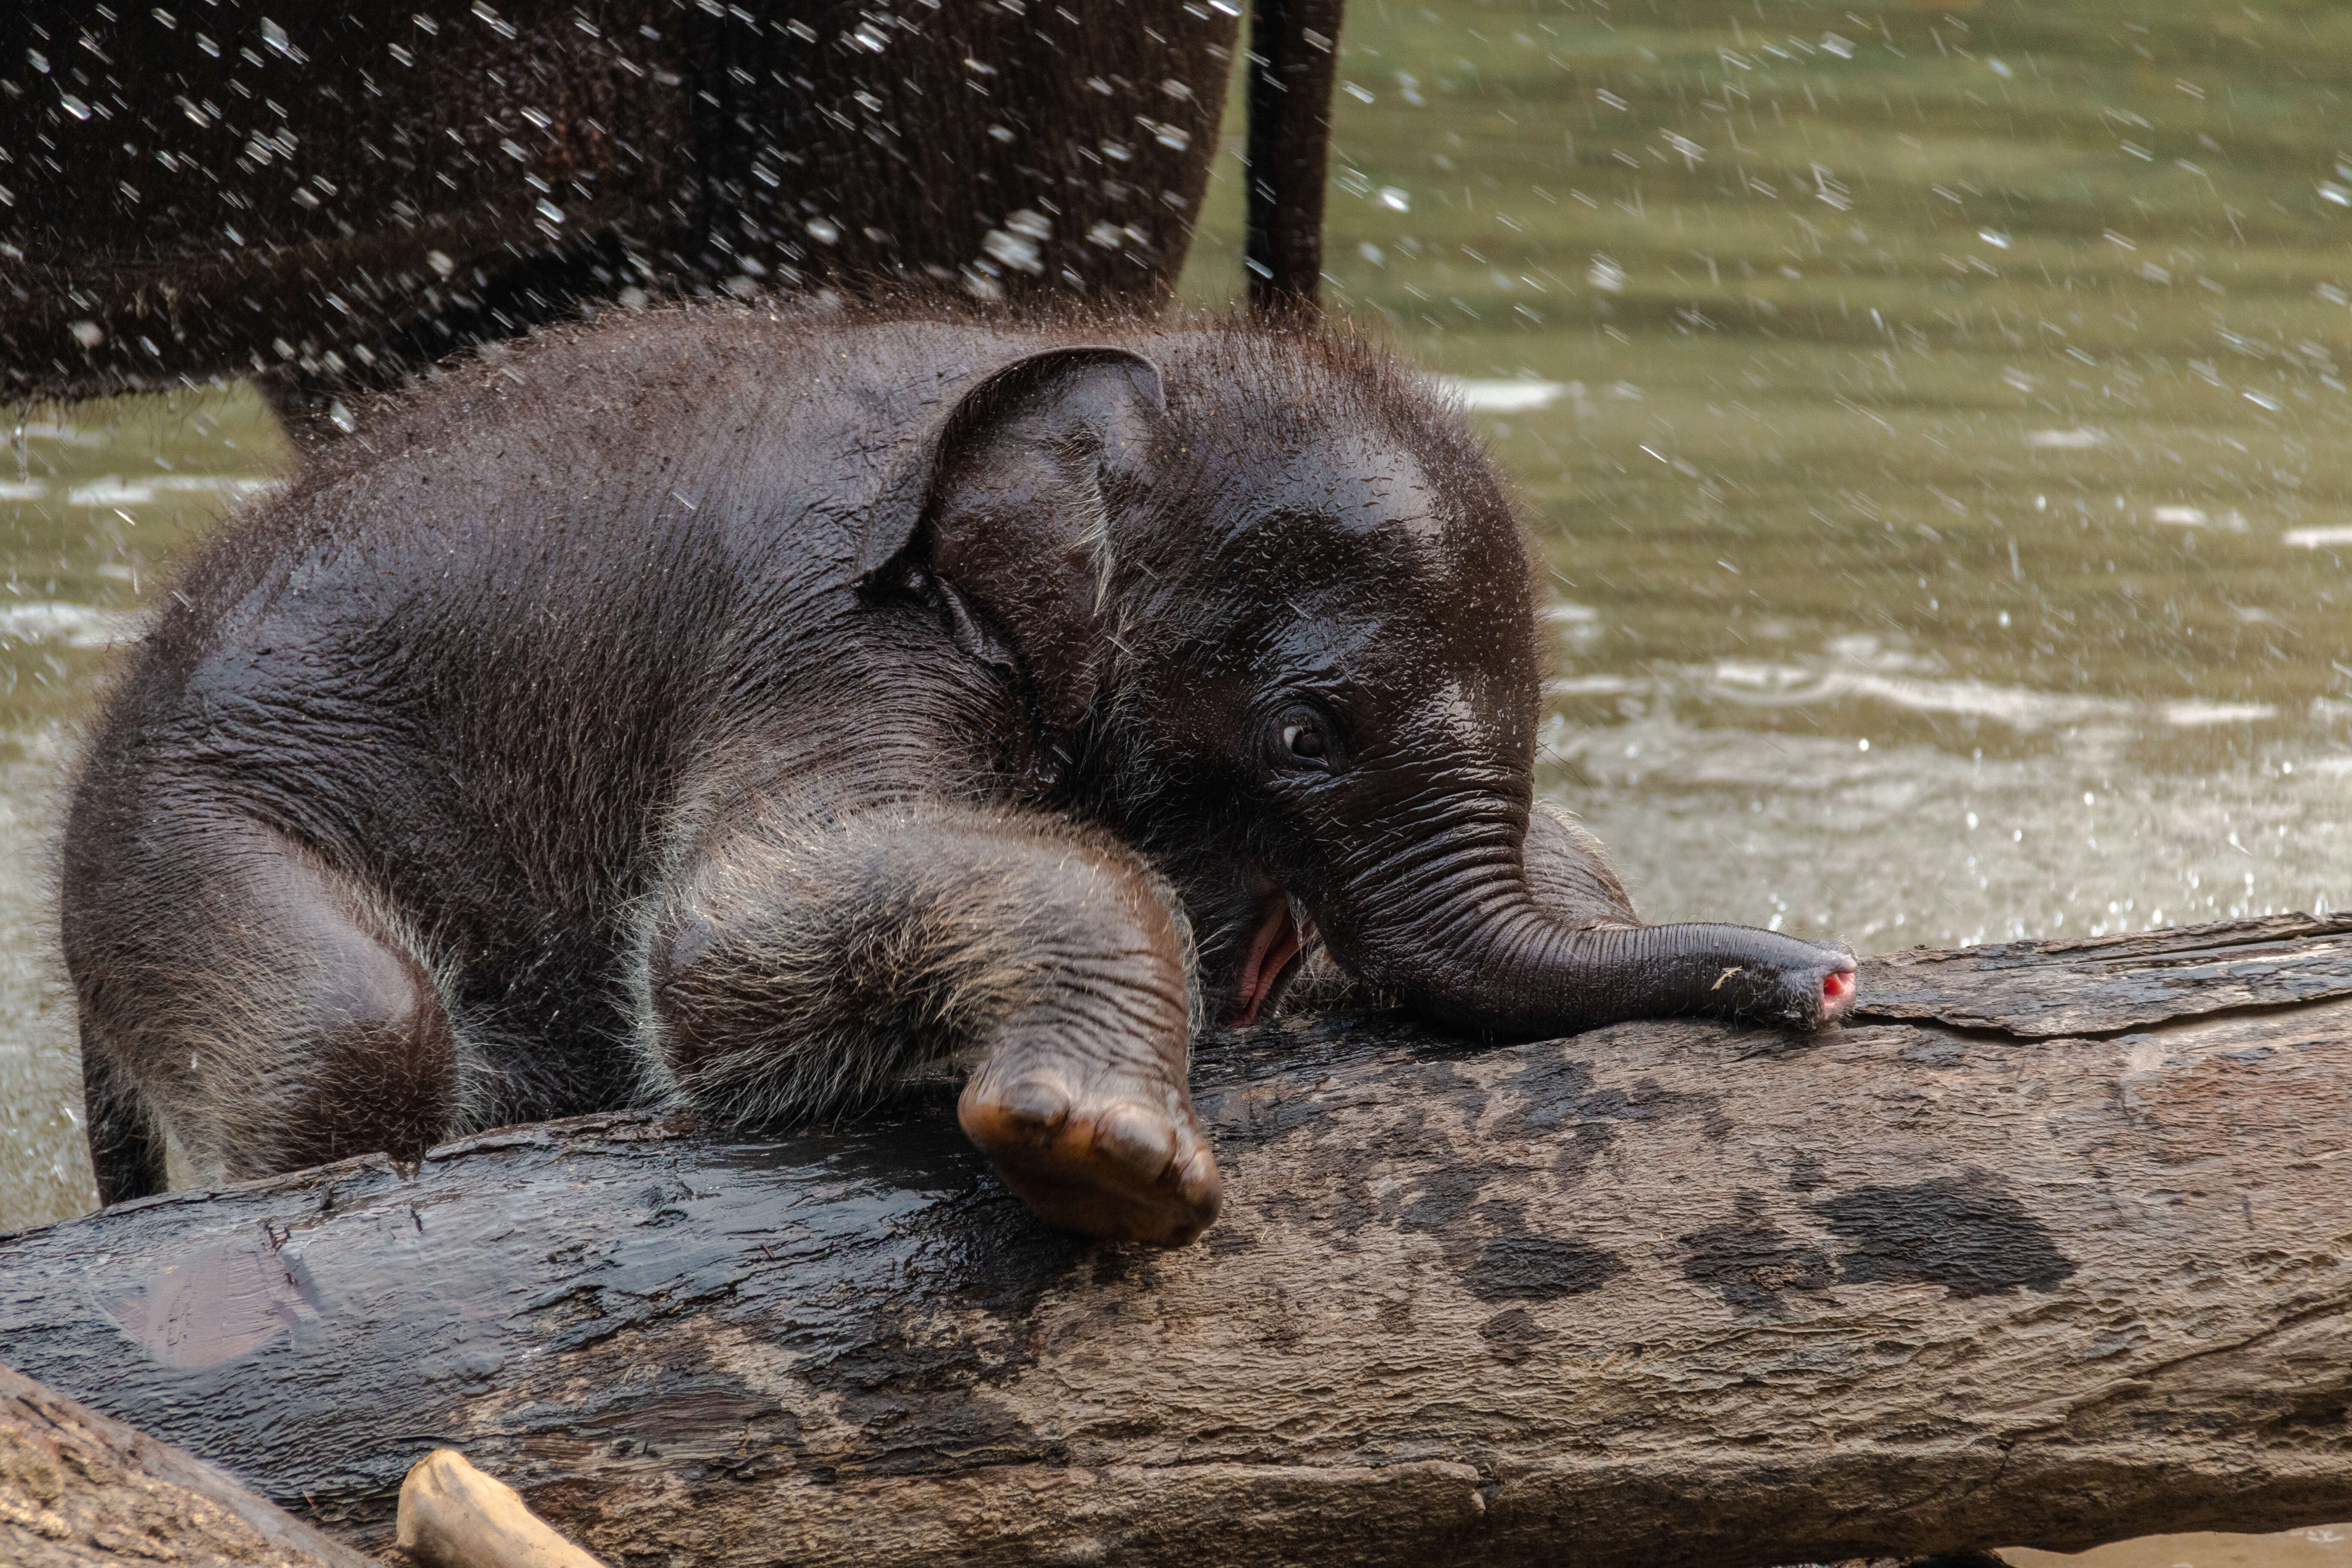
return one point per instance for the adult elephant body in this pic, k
(751, 708)
(336, 195)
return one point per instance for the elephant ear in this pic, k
(1002, 513)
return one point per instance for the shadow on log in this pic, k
(2054, 1245)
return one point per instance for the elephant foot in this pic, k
(1121, 1161)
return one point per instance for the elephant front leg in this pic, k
(795, 970)
(1088, 1117)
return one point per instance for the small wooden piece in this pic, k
(77, 1490)
(452, 1516)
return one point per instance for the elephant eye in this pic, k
(1304, 742)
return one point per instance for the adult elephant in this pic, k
(329, 197)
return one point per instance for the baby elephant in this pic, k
(745, 710)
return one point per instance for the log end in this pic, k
(454, 1516)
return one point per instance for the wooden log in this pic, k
(2053, 1245)
(77, 1490)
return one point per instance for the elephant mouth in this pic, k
(1273, 948)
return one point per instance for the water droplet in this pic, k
(1016, 251)
(273, 37)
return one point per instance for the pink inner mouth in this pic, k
(1273, 945)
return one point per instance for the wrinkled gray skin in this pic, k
(749, 711)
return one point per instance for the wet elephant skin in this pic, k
(746, 709)
(338, 194)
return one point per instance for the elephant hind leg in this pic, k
(268, 1009)
(126, 1147)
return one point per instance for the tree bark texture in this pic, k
(77, 1490)
(2053, 1245)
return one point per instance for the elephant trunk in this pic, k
(1452, 929)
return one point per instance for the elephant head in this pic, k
(1276, 617)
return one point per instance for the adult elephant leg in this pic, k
(796, 966)
(261, 1004)
(1294, 64)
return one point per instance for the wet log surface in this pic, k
(2053, 1245)
(2101, 986)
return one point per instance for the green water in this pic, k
(93, 497)
(1947, 499)
(1944, 480)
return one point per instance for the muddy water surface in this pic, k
(1935, 417)
(93, 498)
